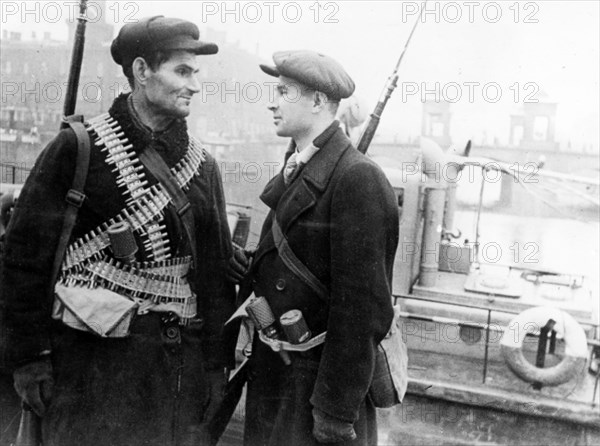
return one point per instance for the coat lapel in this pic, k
(276, 187)
(312, 181)
(288, 203)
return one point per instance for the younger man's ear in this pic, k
(320, 100)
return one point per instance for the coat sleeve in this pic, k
(364, 238)
(219, 349)
(31, 240)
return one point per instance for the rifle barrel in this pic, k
(76, 61)
(369, 132)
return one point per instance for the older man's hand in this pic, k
(328, 429)
(34, 384)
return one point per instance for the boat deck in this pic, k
(460, 379)
(512, 294)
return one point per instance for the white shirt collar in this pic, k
(305, 155)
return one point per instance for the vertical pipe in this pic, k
(476, 247)
(435, 197)
(452, 172)
(506, 191)
(487, 345)
(541, 352)
(552, 347)
(596, 387)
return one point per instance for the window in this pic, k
(540, 128)
(517, 135)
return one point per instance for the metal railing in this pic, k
(13, 173)
(593, 343)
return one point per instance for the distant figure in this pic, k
(129, 350)
(8, 201)
(352, 114)
(337, 212)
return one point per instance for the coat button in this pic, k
(280, 284)
(172, 332)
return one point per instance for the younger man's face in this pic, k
(292, 107)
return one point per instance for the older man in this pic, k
(338, 214)
(133, 353)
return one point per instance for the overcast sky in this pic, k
(487, 57)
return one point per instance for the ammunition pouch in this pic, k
(98, 311)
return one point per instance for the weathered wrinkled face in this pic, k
(170, 88)
(292, 107)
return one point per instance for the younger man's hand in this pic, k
(238, 265)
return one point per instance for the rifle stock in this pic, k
(30, 428)
(369, 132)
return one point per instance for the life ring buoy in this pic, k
(576, 351)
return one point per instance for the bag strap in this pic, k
(75, 196)
(157, 166)
(295, 264)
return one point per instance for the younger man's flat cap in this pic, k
(315, 70)
(155, 34)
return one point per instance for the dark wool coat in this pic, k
(139, 390)
(341, 219)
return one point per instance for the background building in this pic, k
(35, 69)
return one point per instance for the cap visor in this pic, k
(271, 71)
(206, 48)
(195, 46)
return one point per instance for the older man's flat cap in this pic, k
(158, 33)
(315, 70)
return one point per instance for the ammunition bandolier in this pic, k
(151, 387)
(161, 280)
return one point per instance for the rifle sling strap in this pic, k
(75, 196)
(295, 264)
(157, 166)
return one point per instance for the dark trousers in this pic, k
(145, 389)
(278, 410)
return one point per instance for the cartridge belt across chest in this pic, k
(159, 282)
